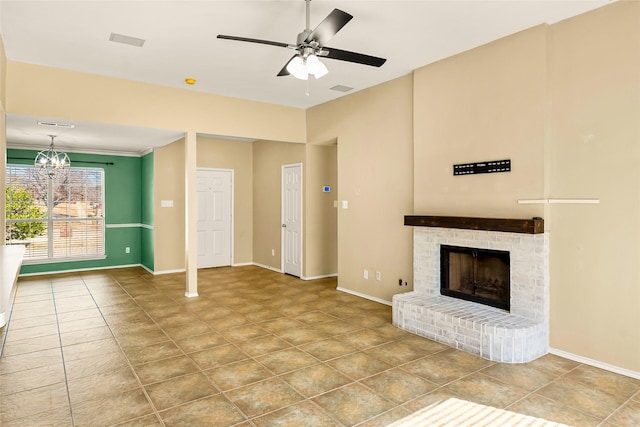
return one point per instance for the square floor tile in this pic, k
(31, 378)
(627, 415)
(353, 404)
(582, 397)
(263, 345)
(31, 402)
(446, 366)
(398, 386)
(201, 342)
(612, 383)
(328, 349)
(521, 374)
(102, 385)
(358, 365)
(153, 352)
(93, 365)
(202, 412)
(265, 396)
(287, 360)
(36, 359)
(218, 356)
(238, 374)
(300, 414)
(540, 407)
(317, 379)
(113, 409)
(180, 390)
(487, 391)
(162, 370)
(60, 417)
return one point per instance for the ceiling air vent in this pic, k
(57, 125)
(131, 41)
(341, 88)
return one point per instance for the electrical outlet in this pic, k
(378, 276)
(273, 252)
(127, 250)
(365, 273)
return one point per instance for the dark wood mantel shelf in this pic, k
(527, 226)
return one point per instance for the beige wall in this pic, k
(238, 156)
(485, 104)
(53, 92)
(563, 103)
(268, 158)
(169, 223)
(321, 217)
(373, 129)
(594, 63)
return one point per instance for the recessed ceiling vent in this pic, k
(341, 88)
(57, 125)
(131, 41)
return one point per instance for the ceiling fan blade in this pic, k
(246, 39)
(358, 58)
(284, 71)
(329, 27)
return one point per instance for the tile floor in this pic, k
(258, 348)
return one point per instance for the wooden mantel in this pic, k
(526, 226)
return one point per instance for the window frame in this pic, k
(50, 219)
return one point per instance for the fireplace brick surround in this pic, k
(518, 336)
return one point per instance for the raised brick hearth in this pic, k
(520, 335)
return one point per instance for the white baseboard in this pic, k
(190, 294)
(277, 270)
(319, 277)
(146, 268)
(595, 363)
(242, 264)
(179, 270)
(365, 296)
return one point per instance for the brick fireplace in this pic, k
(514, 336)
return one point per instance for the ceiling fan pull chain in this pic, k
(308, 87)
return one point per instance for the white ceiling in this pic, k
(181, 42)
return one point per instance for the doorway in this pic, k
(292, 219)
(215, 217)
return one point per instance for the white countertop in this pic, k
(10, 262)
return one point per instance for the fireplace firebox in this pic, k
(478, 275)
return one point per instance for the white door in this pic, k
(214, 217)
(292, 219)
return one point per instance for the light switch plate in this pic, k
(166, 203)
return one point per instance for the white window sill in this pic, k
(57, 260)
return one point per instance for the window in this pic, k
(56, 219)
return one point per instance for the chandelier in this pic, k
(50, 163)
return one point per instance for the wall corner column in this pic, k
(190, 215)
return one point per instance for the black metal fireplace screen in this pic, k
(479, 275)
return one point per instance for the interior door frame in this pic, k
(232, 204)
(282, 210)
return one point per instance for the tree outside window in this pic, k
(19, 205)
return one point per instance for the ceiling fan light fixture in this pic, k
(316, 67)
(298, 68)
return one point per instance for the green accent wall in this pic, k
(147, 234)
(123, 206)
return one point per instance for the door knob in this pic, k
(284, 225)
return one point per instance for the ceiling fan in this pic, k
(311, 44)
